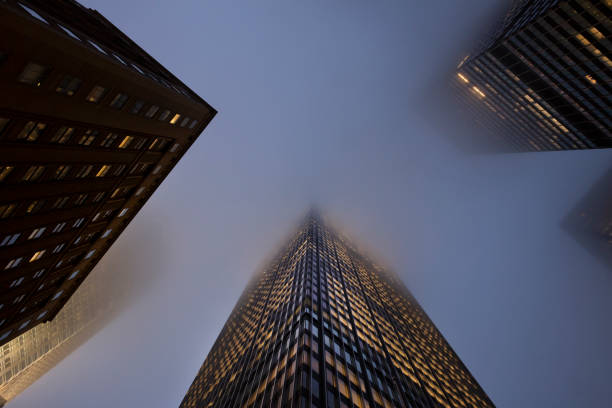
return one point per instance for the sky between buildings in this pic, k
(338, 103)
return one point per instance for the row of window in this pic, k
(35, 74)
(37, 131)
(91, 43)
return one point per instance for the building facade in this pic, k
(90, 125)
(543, 82)
(323, 326)
(34, 353)
(590, 221)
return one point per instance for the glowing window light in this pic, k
(478, 92)
(463, 78)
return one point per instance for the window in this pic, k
(6, 210)
(34, 14)
(185, 121)
(103, 170)
(41, 315)
(119, 100)
(68, 85)
(119, 170)
(156, 170)
(175, 119)
(139, 191)
(78, 223)
(158, 144)
(33, 173)
(139, 143)
(98, 197)
(5, 335)
(69, 32)
(38, 273)
(3, 124)
(37, 255)
(97, 47)
(57, 295)
(193, 124)
(126, 142)
(88, 137)
(74, 274)
(58, 248)
(33, 74)
(17, 300)
(9, 239)
(109, 140)
(151, 111)
(24, 325)
(37, 232)
(164, 115)
(80, 200)
(174, 147)
(60, 202)
(59, 227)
(123, 211)
(31, 131)
(96, 94)
(61, 172)
(90, 254)
(106, 233)
(5, 171)
(13, 263)
(16, 282)
(62, 135)
(84, 171)
(35, 206)
(137, 107)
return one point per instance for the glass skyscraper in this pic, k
(324, 326)
(543, 80)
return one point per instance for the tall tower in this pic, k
(323, 326)
(543, 80)
(90, 125)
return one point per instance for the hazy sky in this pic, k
(323, 102)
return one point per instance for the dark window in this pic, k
(68, 85)
(31, 131)
(96, 94)
(33, 74)
(119, 100)
(137, 107)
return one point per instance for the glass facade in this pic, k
(28, 357)
(323, 326)
(543, 81)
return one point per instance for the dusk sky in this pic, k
(342, 104)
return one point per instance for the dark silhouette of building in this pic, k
(590, 222)
(323, 326)
(543, 80)
(90, 125)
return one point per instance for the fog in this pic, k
(342, 104)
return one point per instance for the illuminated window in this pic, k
(33, 173)
(61, 172)
(119, 101)
(5, 171)
(591, 79)
(151, 111)
(88, 137)
(123, 211)
(96, 94)
(62, 135)
(463, 78)
(596, 33)
(37, 255)
(68, 85)
(34, 206)
(31, 131)
(175, 119)
(103, 170)
(126, 142)
(33, 74)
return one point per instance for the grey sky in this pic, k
(322, 102)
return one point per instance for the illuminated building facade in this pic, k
(543, 81)
(90, 125)
(28, 357)
(590, 222)
(322, 326)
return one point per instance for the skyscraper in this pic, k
(590, 221)
(29, 356)
(323, 326)
(90, 125)
(543, 80)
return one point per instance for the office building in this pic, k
(323, 326)
(542, 81)
(90, 125)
